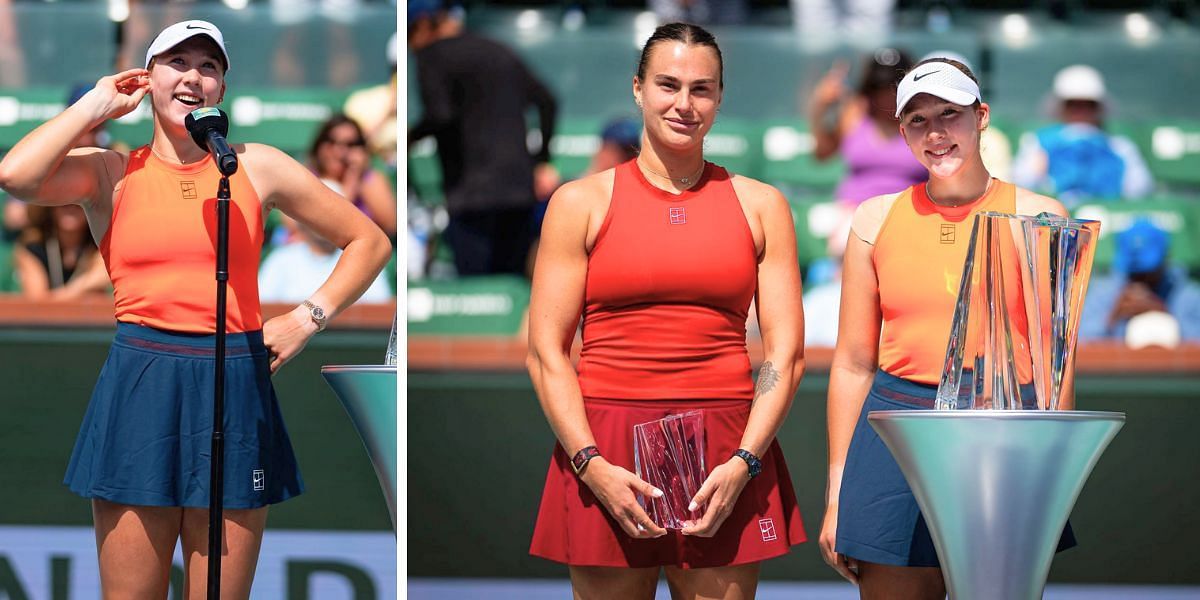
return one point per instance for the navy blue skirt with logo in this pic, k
(146, 438)
(878, 517)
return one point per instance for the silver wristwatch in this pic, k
(317, 314)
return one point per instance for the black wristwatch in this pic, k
(317, 314)
(751, 461)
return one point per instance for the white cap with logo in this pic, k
(940, 79)
(182, 31)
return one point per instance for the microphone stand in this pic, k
(216, 485)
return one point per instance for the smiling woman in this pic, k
(142, 451)
(900, 281)
(664, 332)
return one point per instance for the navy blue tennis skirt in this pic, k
(147, 436)
(878, 517)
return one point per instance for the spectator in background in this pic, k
(1143, 282)
(12, 58)
(293, 271)
(620, 141)
(826, 22)
(374, 109)
(700, 12)
(145, 18)
(16, 217)
(865, 132)
(1076, 158)
(324, 25)
(339, 153)
(474, 94)
(56, 259)
(822, 305)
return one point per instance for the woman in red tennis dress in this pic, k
(662, 256)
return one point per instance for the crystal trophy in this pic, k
(1016, 320)
(669, 455)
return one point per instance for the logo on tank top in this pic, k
(678, 215)
(767, 528)
(259, 479)
(188, 189)
(947, 233)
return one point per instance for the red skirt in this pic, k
(574, 528)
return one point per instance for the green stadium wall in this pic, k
(479, 448)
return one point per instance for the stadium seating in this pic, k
(1178, 216)
(788, 163)
(8, 275)
(492, 305)
(573, 145)
(1172, 149)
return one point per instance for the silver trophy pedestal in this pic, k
(368, 393)
(996, 487)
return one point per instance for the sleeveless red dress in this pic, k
(669, 286)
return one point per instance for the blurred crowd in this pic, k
(1073, 155)
(497, 173)
(53, 256)
(48, 254)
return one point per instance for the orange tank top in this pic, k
(669, 285)
(919, 255)
(160, 248)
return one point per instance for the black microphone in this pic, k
(209, 126)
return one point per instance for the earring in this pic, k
(638, 102)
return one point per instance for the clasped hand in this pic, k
(286, 335)
(720, 491)
(615, 487)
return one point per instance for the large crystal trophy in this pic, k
(997, 467)
(1016, 320)
(669, 455)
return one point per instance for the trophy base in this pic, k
(996, 487)
(368, 393)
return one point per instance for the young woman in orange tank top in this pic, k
(154, 195)
(672, 306)
(894, 324)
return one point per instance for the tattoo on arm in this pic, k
(767, 378)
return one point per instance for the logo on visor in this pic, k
(201, 27)
(918, 77)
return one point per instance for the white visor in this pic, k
(185, 30)
(940, 79)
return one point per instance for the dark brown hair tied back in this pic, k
(687, 33)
